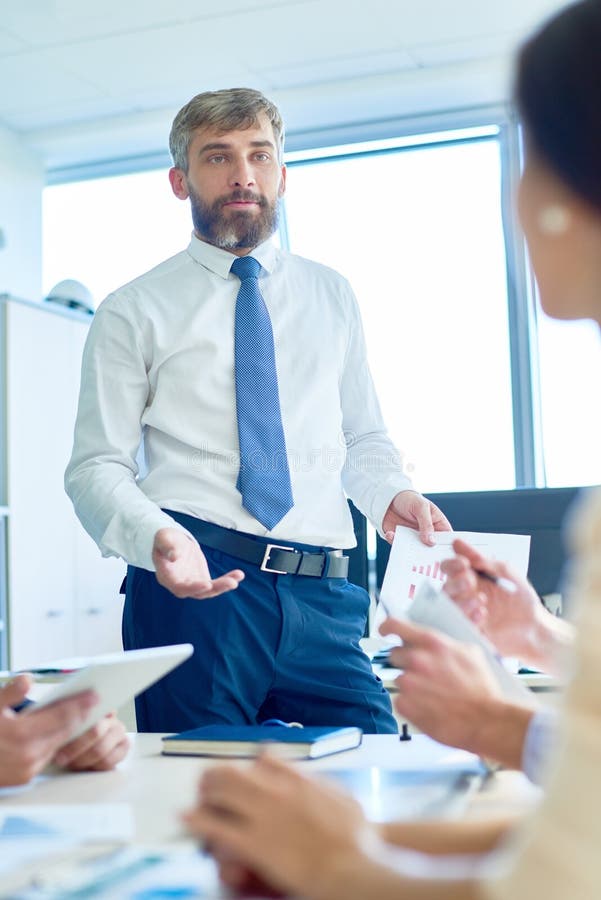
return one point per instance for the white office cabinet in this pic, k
(62, 596)
(98, 604)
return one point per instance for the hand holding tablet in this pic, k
(115, 678)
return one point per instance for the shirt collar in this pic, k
(220, 261)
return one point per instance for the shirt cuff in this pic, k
(538, 744)
(138, 543)
(383, 497)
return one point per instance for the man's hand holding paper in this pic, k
(410, 509)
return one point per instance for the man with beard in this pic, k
(243, 369)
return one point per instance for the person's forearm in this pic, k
(499, 732)
(114, 511)
(373, 476)
(551, 641)
(365, 876)
(442, 838)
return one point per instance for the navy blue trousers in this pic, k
(280, 646)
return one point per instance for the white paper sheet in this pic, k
(80, 821)
(412, 562)
(123, 873)
(34, 831)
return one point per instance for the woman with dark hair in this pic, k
(307, 838)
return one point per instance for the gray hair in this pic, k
(227, 110)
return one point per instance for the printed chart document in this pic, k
(32, 832)
(133, 872)
(412, 563)
(413, 589)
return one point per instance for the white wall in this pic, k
(62, 597)
(21, 184)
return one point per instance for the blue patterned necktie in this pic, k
(264, 479)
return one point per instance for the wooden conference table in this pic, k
(158, 788)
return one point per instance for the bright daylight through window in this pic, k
(418, 232)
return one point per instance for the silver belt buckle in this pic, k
(265, 564)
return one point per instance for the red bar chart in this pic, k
(429, 570)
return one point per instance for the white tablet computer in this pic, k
(116, 678)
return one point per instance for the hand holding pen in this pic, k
(514, 620)
(504, 583)
(501, 603)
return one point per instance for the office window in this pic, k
(418, 232)
(106, 231)
(570, 376)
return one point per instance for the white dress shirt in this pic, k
(159, 362)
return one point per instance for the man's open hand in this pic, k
(181, 567)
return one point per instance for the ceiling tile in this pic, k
(167, 56)
(52, 22)
(60, 114)
(42, 84)
(324, 29)
(9, 43)
(434, 21)
(329, 70)
(461, 51)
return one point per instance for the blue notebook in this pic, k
(250, 740)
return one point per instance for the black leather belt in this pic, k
(277, 559)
